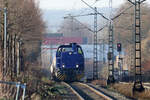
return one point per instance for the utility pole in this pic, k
(138, 86)
(95, 60)
(18, 55)
(10, 54)
(14, 55)
(111, 78)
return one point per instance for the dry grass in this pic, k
(126, 89)
(102, 83)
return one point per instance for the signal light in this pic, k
(119, 47)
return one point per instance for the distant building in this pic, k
(58, 38)
(47, 35)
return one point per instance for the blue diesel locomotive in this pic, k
(69, 63)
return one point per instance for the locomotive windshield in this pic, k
(80, 51)
(67, 49)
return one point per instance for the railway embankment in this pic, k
(122, 91)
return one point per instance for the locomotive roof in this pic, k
(69, 45)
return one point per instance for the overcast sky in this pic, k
(71, 5)
(76, 4)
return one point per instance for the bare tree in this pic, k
(24, 26)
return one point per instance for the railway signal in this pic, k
(119, 46)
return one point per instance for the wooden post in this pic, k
(5, 41)
(18, 56)
(11, 54)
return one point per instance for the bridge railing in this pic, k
(18, 86)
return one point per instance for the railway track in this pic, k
(86, 92)
(146, 85)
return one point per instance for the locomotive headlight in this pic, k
(63, 66)
(77, 66)
(70, 53)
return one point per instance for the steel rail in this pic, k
(96, 91)
(74, 91)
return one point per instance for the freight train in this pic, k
(68, 64)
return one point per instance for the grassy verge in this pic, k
(126, 89)
(48, 89)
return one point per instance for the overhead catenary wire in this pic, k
(85, 25)
(80, 15)
(95, 10)
(87, 8)
(122, 12)
(134, 2)
(79, 21)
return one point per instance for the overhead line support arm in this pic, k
(80, 22)
(95, 10)
(102, 28)
(122, 12)
(143, 1)
(84, 25)
(131, 2)
(79, 15)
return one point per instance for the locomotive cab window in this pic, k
(68, 49)
(59, 52)
(80, 51)
(63, 50)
